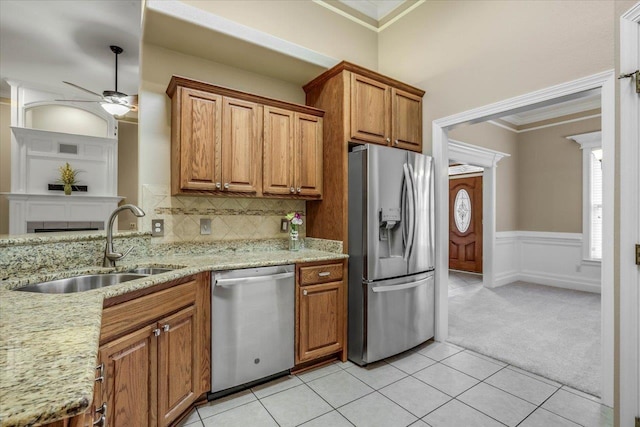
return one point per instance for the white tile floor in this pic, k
(433, 385)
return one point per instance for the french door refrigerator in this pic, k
(391, 252)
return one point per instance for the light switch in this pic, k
(157, 227)
(284, 225)
(205, 225)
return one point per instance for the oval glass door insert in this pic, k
(462, 210)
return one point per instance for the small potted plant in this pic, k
(68, 177)
(295, 220)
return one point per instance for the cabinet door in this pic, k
(200, 140)
(129, 387)
(308, 155)
(406, 112)
(178, 364)
(278, 151)
(241, 150)
(321, 317)
(370, 111)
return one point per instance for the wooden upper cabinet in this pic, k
(241, 150)
(370, 113)
(278, 174)
(224, 141)
(200, 136)
(308, 155)
(406, 128)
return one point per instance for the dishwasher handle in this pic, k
(242, 280)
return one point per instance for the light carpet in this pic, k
(548, 331)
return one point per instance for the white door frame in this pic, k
(488, 159)
(606, 82)
(629, 404)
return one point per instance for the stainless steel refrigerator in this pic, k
(391, 252)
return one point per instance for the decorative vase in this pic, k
(67, 189)
(294, 239)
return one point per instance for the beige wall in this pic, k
(127, 170)
(495, 138)
(304, 23)
(550, 178)
(5, 162)
(467, 54)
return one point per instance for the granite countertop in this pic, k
(49, 342)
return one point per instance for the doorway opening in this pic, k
(442, 149)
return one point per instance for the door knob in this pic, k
(396, 142)
(218, 185)
(226, 185)
(388, 140)
(293, 190)
(299, 189)
(156, 332)
(304, 292)
(166, 328)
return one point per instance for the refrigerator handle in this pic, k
(411, 193)
(414, 210)
(400, 287)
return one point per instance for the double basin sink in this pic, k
(90, 281)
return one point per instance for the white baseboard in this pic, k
(552, 259)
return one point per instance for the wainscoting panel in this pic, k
(553, 259)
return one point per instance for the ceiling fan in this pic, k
(114, 102)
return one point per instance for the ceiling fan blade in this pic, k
(81, 88)
(132, 99)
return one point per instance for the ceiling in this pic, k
(376, 9)
(46, 42)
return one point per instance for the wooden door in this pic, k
(200, 140)
(177, 364)
(370, 110)
(320, 320)
(241, 148)
(465, 224)
(308, 155)
(129, 385)
(277, 168)
(406, 127)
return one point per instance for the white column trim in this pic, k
(604, 80)
(629, 278)
(479, 156)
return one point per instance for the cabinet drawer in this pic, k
(320, 274)
(124, 317)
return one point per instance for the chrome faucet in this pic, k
(110, 255)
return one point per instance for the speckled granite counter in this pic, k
(49, 342)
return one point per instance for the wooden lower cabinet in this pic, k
(154, 372)
(320, 312)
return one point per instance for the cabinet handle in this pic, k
(166, 328)
(156, 332)
(102, 421)
(100, 369)
(388, 140)
(396, 142)
(102, 409)
(299, 189)
(324, 273)
(293, 190)
(304, 292)
(218, 185)
(226, 185)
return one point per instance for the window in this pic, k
(591, 145)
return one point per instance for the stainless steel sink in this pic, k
(149, 270)
(80, 283)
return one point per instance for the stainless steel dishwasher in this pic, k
(252, 334)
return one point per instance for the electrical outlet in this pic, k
(132, 226)
(205, 225)
(157, 227)
(284, 225)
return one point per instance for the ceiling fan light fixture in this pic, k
(115, 109)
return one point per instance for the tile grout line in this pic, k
(265, 408)
(561, 416)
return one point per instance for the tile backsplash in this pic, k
(231, 218)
